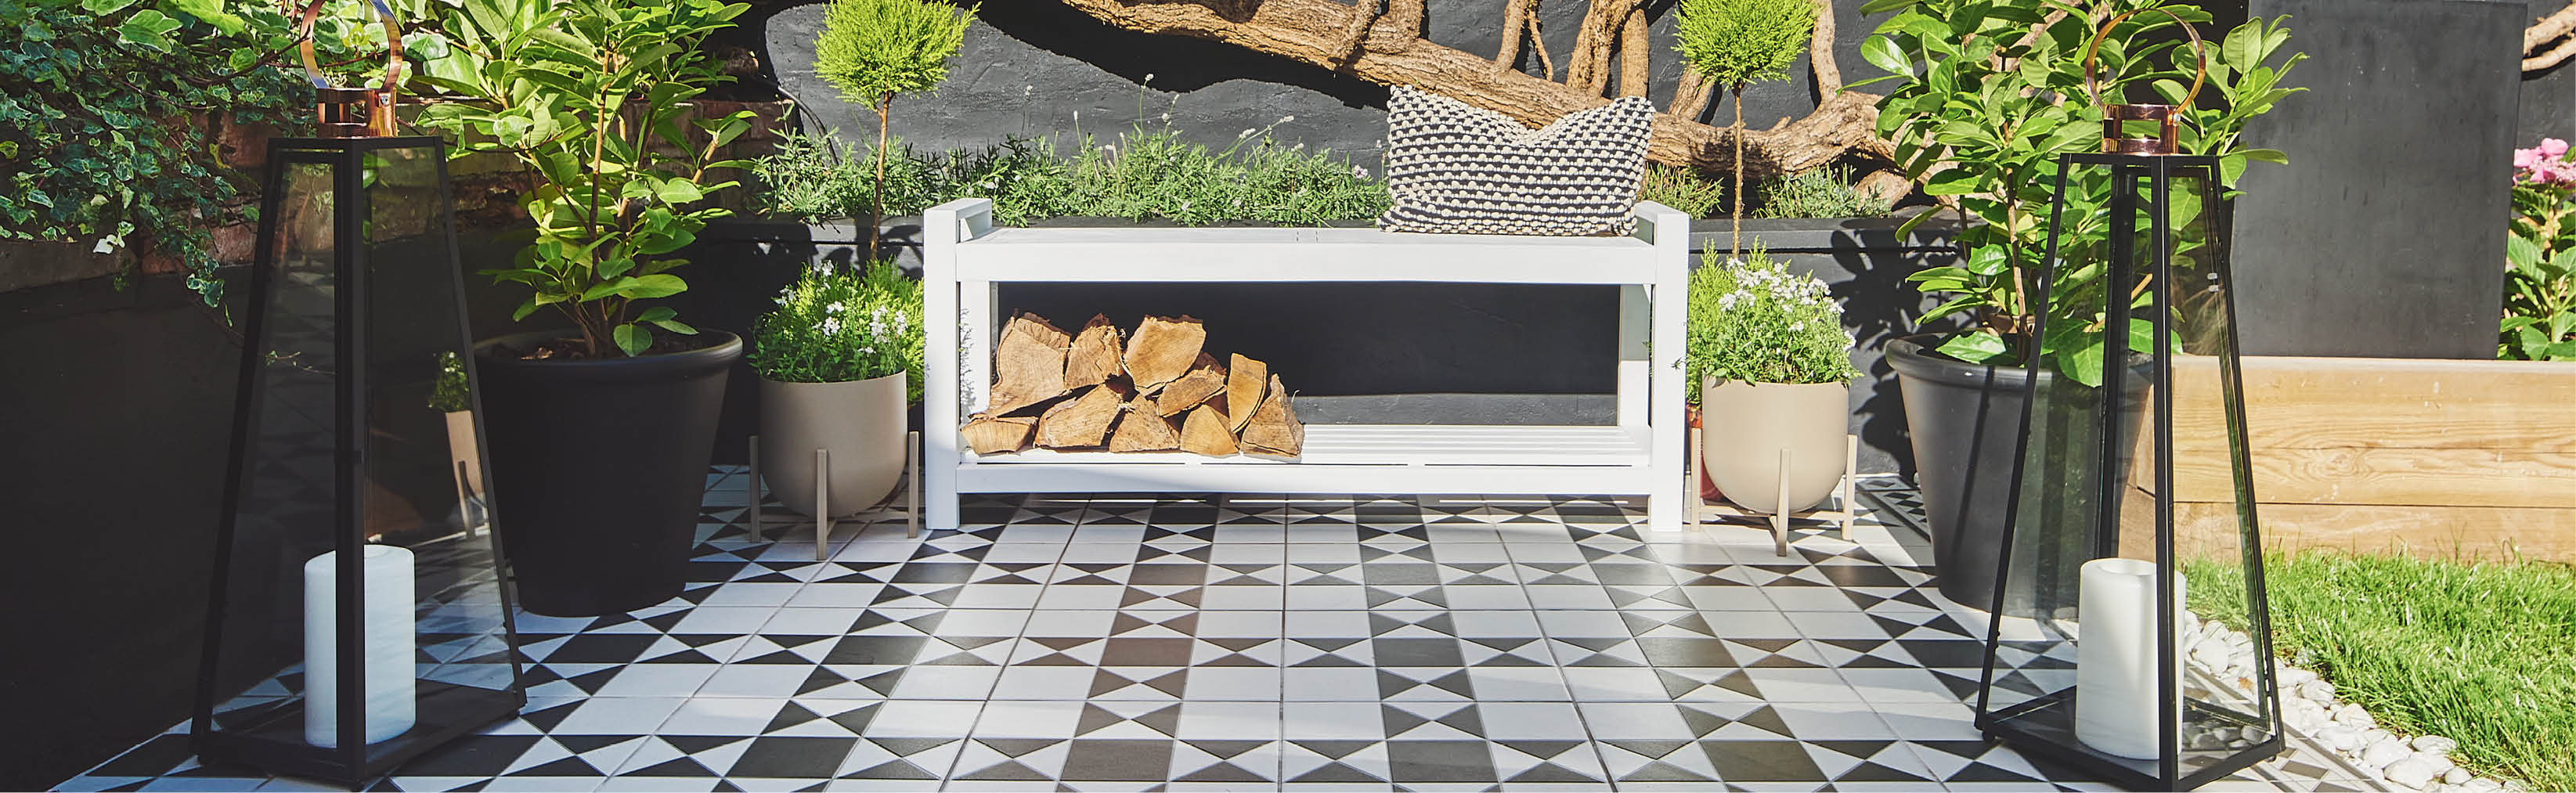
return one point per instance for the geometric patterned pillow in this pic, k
(1459, 169)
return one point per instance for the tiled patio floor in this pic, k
(1359, 643)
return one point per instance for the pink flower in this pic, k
(2553, 148)
(2523, 159)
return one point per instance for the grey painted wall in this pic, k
(2384, 235)
(1029, 66)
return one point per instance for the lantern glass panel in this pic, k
(341, 449)
(2136, 455)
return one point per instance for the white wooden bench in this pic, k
(964, 255)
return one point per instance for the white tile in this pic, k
(835, 595)
(1081, 596)
(1615, 684)
(802, 621)
(1518, 683)
(947, 682)
(1244, 597)
(724, 619)
(1802, 685)
(1044, 682)
(1328, 684)
(721, 716)
(1568, 596)
(618, 715)
(923, 719)
(751, 594)
(658, 680)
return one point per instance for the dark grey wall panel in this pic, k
(2384, 236)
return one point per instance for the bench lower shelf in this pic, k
(1349, 458)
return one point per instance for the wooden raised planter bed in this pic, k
(2470, 459)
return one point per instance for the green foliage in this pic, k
(874, 49)
(1826, 192)
(1751, 320)
(104, 117)
(2540, 260)
(1142, 175)
(1737, 42)
(835, 325)
(1682, 188)
(2483, 652)
(448, 393)
(589, 94)
(1982, 109)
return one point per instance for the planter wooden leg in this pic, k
(912, 460)
(1780, 509)
(751, 493)
(822, 503)
(1691, 501)
(464, 499)
(1851, 471)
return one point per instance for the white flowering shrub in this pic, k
(837, 325)
(1753, 320)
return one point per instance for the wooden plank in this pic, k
(2377, 431)
(2453, 532)
(2316, 403)
(2388, 476)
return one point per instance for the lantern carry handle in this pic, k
(2199, 52)
(378, 118)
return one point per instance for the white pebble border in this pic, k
(2309, 708)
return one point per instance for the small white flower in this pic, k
(1359, 172)
(1244, 134)
(1286, 119)
(1167, 118)
(1149, 78)
(831, 326)
(1025, 90)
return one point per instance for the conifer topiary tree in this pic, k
(1733, 43)
(874, 49)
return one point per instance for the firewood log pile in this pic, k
(1155, 390)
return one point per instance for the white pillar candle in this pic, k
(386, 625)
(2115, 658)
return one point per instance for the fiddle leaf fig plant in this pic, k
(591, 95)
(1990, 92)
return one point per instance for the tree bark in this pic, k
(1305, 31)
(1633, 51)
(1588, 69)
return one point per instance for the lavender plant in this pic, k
(836, 325)
(1750, 319)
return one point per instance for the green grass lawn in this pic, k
(2484, 653)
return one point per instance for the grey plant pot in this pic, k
(1745, 426)
(860, 424)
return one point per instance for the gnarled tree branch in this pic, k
(1319, 33)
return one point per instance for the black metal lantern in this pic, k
(2138, 646)
(359, 614)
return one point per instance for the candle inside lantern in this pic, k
(2115, 659)
(386, 633)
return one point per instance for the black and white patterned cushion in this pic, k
(1465, 170)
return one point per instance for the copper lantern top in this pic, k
(344, 112)
(2114, 140)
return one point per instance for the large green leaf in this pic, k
(1883, 53)
(1977, 346)
(148, 28)
(633, 339)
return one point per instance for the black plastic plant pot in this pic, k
(598, 466)
(1965, 420)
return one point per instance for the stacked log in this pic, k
(1155, 390)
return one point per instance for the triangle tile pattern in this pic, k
(1173, 642)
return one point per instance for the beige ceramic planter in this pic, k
(861, 424)
(1746, 425)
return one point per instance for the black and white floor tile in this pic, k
(1253, 643)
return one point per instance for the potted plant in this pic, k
(839, 362)
(600, 432)
(1989, 93)
(1771, 366)
(873, 50)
